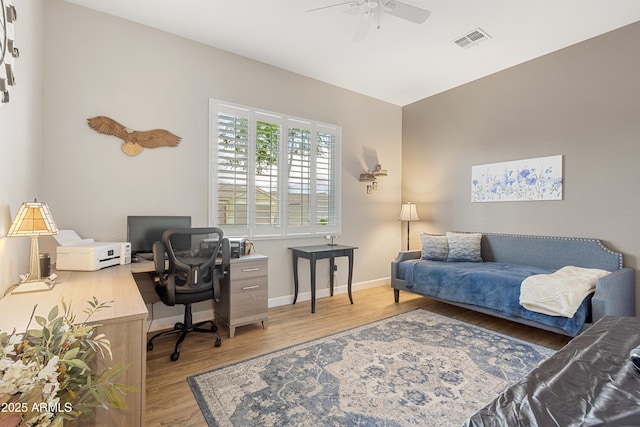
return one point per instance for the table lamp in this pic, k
(408, 213)
(33, 219)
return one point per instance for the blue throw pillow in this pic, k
(434, 247)
(464, 247)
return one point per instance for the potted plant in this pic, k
(46, 375)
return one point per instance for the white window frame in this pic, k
(283, 229)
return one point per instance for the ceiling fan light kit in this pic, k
(371, 8)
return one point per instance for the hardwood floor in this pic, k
(170, 401)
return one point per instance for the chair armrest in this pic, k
(159, 260)
(222, 270)
(170, 291)
(615, 295)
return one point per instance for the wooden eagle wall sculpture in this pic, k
(133, 141)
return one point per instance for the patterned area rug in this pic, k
(416, 368)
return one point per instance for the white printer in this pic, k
(78, 254)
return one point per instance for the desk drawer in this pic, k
(246, 270)
(249, 299)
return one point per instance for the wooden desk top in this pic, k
(77, 287)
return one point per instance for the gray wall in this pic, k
(97, 64)
(582, 102)
(21, 140)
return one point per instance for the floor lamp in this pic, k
(33, 219)
(408, 213)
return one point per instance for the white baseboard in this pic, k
(325, 292)
(198, 316)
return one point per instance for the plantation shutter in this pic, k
(299, 177)
(232, 175)
(267, 173)
(326, 192)
(273, 175)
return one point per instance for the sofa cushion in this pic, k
(434, 247)
(464, 247)
(489, 285)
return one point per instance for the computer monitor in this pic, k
(143, 231)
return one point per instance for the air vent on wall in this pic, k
(472, 38)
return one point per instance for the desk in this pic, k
(124, 324)
(244, 298)
(314, 253)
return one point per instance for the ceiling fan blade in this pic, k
(363, 26)
(350, 3)
(406, 11)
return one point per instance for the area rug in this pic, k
(412, 369)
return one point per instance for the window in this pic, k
(273, 175)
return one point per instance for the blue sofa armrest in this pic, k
(405, 255)
(402, 256)
(396, 282)
(615, 295)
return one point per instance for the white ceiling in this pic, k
(402, 62)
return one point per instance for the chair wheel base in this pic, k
(184, 328)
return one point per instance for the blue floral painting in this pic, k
(519, 180)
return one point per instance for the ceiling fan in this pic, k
(370, 10)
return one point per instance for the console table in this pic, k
(314, 253)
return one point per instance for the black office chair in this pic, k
(192, 275)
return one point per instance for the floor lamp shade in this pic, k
(33, 219)
(408, 213)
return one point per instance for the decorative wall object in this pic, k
(133, 141)
(8, 50)
(520, 180)
(372, 176)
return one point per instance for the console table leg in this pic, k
(332, 266)
(295, 278)
(313, 284)
(350, 276)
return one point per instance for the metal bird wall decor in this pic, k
(133, 141)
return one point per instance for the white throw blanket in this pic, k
(559, 293)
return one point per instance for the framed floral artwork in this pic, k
(519, 180)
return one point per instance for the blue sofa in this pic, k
(493, 285)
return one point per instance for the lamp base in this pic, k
(35, 286)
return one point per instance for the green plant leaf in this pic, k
(77, 363)
(41, 321)
(53, 313)
(71, 354)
